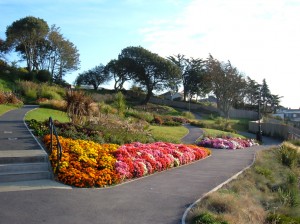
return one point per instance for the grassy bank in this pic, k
(267, 193)
(168, 134)
(5, 107)
(42, 114)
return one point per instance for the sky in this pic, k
(259, 37)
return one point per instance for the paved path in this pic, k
(159, 198)
(13, 132)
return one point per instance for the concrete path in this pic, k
(159, 198)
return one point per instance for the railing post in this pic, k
(58, 145)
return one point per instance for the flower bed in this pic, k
(137, 159)
(227, 143)
(88, 164)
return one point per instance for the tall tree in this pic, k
(227, 83)
(121, 70)
(3, 50)
(193, 75)
(265, 95)
(150, 70)
(63, 56)
(25, 35)
(252, 92)
(94, 77)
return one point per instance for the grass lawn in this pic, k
(168, 134)
(237, 124)
(42, 114)
(217, 133)
(4, 108)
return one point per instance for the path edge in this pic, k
(183, 219)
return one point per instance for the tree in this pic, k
(3, 50)
(252, 92)
(265, 95)
(226, 82)
(25, 35)
(193, 75)
(62, 56)
(150, 70)
(94, 77)
(121, 70)
(43, 48)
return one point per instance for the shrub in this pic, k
(281, 219)
(288, 156)
(43, 76)
(106, 109)
(198, 124)
(53, 104)
(207, 218)
(28, 89)
(120, 103)
(157, 120)
(188, 115)
(78, 106)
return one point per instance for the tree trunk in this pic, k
(148, 96)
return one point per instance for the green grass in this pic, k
(168, 134)
(4, 108)
(5, 85)
(42, 114)
(217, 133)
(236, 124)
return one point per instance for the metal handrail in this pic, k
(58, 145)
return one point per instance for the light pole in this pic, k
(259, 132)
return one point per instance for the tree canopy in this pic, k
(121, 70)
(25, 35)
(193, 75)
(227, 83)
(149, 70)
(41, 47)
(94, 77)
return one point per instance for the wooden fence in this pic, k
(275, 130)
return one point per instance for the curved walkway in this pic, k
(159, 198)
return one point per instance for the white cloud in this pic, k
(261, 38)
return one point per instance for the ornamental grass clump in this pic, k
(78, 106)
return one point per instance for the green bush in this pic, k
(120, 103)
(43, 76)
(207, 218)
(281, 219)
(199, 124)
(188, 115)
(288, 156)
(49, 94)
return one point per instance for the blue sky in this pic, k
(260, 37)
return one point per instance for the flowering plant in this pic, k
(89, 164)
(85, 163)
(226, 143)
(137, 159)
